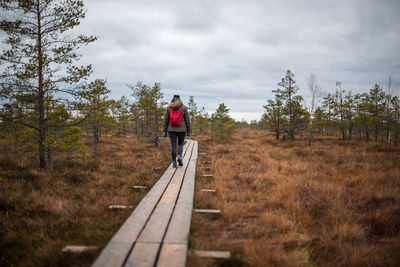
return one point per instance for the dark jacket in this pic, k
(185, 126)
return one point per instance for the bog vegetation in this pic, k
(68, 150)
(285, 203)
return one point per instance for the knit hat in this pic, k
(176, 97)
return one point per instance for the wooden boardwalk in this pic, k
(157, 231)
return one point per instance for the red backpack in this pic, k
(175, 117)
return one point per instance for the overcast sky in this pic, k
(236, 52)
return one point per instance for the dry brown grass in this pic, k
(286, 204)
(41, 212)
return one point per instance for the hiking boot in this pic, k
(180, 160)
(174, 164)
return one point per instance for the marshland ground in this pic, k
(283, 203)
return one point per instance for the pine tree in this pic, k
(339, 110)
(192, 106)
(95, 107)
(121, 115)
(292, 108)
(202, 122)
(395, 103)
(38, 60)
(148, 109)
(273, 116)
(376, 99)
(222, 125)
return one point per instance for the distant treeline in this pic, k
(373, 115)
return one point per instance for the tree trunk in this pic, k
(49, 157)
(291, 134)
(343, 132)
(388, 136)
(42, 123)
(366, 134)
(156, 134)
(310, 132)
(350, 129)
(95, 139)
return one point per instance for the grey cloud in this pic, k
(236, 51)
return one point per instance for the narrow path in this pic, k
(157, 231)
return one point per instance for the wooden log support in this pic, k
(139, 187)
(157, 168)
(203, 153)
(157, 231)
(212, 211)
(208, 190)
(78, 249)
(205, 168)
(208, 176)
(119, 207)
(212, 254)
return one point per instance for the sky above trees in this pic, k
(236, 52)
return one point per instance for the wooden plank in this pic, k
(205, 168)
(155, 228)
(145, 228)
(143, 255)
(120, 207)
(139, 187)
(213, 254)
(78, 249)
(113, 255)
(119, 246)
(207, 211)
(208, 176)
(179, 227)
(187, 191)
(202, 153)
(208, 190)
(172, 255)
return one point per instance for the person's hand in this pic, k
(165, 134)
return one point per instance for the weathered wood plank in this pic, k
(208, 190)
(139, 187)
(156, 226)
(208, 176)
(158, 222)
(179, 227)
(207, 211)
(187, 191)
(205, 168)
(174, 249)
(120, 207)
(213, 254)
(145, 229)
(143, 255)
(78, 249)
(172, 255)
(119, 246)
(114, 254)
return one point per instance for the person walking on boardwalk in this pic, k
(177, 124)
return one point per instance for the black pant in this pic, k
(176, 136)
